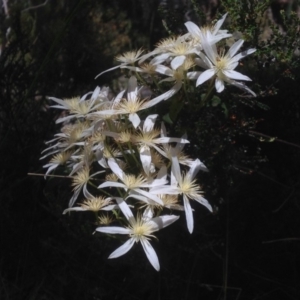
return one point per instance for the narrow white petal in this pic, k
(74, 209)
(219, 84)
(59, 101)
(243, 54)
(162, 221)
(112, 184)
(203, 61)
(95, 93)
(151, 254)
(118, 98)
(132, 89)
(159, 59)
(113, 230)
(235, 75)
(194, 169)
(188, 214)
(164, 70)
(177, 61)
(123, 249)
(107, 71)
(110, 207)
(193, 75)
(134, 119)
(124, 208)
(205, 76)
(86, 193)
(209, 49)
(193, 29)
(204, 202)
(145, 156)
(235, 48)
(74, 197)
(242, 86)
(149, 123)
(219, 24)
(175, 167)
(165, 95)
(115, 168)
(149, 195)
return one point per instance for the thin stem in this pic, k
(274, 138)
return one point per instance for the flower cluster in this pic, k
(125, 167)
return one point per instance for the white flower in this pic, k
(126, 58)
(80, 107)
(185, 185)
(93, 204)
(131, 105)
(213, 33)
(178, 75)
(133, 184)
(147, 138)
(139, 229)
(221, 66)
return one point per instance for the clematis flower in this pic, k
(221, 66)
(185, 185)
(131, 105)
(139, 229)
(133, 184)
(213, 33)
(94, 204)
(127, 58)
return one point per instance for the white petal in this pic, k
(118, 98)
(204, 202)
(124, 208)
(159, 59)
(95, 93)
(203, 61)
(107, 71)
(219, 84)
(164, 70)
(135, 120)
(193, 29)
(177, 62)
(243, 54)
(188, 214)
(74, 197)
(86, 193)
(235, 75)
(123, 249)
(149, 195)
(151, 254)
(219, 24)
(145, 156)
(210, 50)
(111, 184)
(149, 123)
(235, 48)
(175, 167)
(242, 86)
(162, 221)
(74, 209)
(113, 230)
(115, 168)
(194, 169)
(165, 140)
(205, 76)
(193, 75)
(132, 89)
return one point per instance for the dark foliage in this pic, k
(248, 249)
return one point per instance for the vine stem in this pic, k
(275, 138)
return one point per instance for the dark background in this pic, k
(248, 249)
